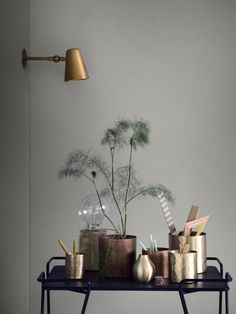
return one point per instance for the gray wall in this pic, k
(1, 134)
(15, 159)
(169, 62)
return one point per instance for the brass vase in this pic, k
(74, 268)
(144, 270)
(197, 243)
(182, 265)
(160, 259)
(116, 255)
(89, 246)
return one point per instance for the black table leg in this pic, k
(183, 302)
(220, 302)
(85, 301)
(42, 299)
(48, 301)
(226, 302)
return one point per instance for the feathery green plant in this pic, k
(121, 183)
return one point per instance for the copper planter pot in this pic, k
(117, 256)
(160, 259)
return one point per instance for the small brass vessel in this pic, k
(144, 270)
(74, 268)
(182, 265)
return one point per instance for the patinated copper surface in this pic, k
(88, 245)
(117, 256)
(160, 259)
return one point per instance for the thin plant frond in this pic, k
(79, 163)
(121, 176)
(125, 130)
(153, 191)
(120, 183)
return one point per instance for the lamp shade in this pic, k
(75, 68)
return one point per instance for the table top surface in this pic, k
(211, 280)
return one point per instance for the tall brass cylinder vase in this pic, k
(197, 243)
(117, 256)
(89, 246)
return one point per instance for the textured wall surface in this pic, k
(1, 135)
(15, 235)
(169, 62)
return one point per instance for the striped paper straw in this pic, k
(167, 213)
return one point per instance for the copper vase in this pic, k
(116, 255)
(160, 259)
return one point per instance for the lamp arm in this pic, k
(55, 58)
(25, 58)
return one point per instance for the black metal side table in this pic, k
(54, 279)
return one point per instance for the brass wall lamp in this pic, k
(75, 68)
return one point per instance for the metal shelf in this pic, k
(212, 280)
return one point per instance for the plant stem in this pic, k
(110, 185)
(117, 205)
(127, 189)
(100, 202)
(112, 151)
